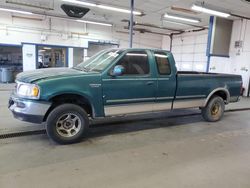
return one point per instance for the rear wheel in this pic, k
(67, 123)
(214, 110)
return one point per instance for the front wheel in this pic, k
(214, 110)
(67, 123)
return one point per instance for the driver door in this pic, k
(134, 90)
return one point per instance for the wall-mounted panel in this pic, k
(246, 45)
(221, 36)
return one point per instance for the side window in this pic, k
(162, 63)
(135, 62)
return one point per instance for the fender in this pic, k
(86, 97)
(216, 90)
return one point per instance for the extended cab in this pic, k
(113, 83)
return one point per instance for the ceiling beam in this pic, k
(151, 26)
(239, 16)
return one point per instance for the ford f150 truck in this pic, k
(117, 82)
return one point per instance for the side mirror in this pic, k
(118, 70)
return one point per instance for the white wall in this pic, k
(53, 31)
(239, 61)
(68, 33)
(189, 50)
(166, 43)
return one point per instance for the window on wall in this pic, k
(162, 63)
(135, 62)
(11, 57)
(51, 57)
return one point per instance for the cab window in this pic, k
(135, 63)
(162, 63)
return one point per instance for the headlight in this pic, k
(28, 90)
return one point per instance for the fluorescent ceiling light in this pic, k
(16, 11)
(134, 54)
(161, 56)
(95, 23)
(210, 11)
(118, 9)
(81, 3)
(103, 6)
(47, 48)
(175, 17)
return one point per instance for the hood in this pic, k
(35, 75)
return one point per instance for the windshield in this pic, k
(99, 61)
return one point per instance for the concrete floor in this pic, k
(160, 152)
(183, 152)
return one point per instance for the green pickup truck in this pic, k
(117, 82)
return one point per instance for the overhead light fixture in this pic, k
(15, 11)
(176, 17)
(83, 21)
(95, 23)
(103, 7)
(47, 48)
(134, 54)
(210, 11)
(118, 9)
(81, 3)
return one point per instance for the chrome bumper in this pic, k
(28, 110)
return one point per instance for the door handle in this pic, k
(149, 83)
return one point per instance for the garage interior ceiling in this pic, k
(153, 10)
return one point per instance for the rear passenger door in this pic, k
(132, 92)
(166, 80)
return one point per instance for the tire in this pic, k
(214, 110)
(67, 123)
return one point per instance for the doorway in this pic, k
(50, 56)
(11, 59)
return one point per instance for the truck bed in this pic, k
(199, 73)
(205, 83)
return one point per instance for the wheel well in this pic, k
(221, 94)
(70, 98)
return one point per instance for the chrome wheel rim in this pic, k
(68, 125)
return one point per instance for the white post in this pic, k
(29, 57)
(70, 57)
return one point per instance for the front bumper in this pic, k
(28, 110)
